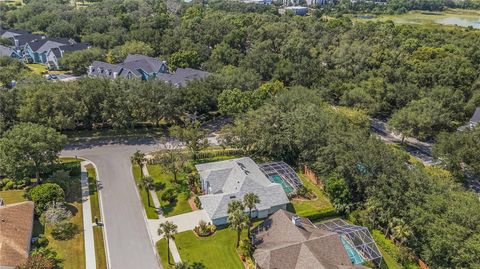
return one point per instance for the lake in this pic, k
(460, 21)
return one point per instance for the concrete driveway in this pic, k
(184, 222)
(128, 241)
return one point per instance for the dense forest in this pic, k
(284, 80)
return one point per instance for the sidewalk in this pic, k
(153, 194)
(87, 220)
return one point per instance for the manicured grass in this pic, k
(316, 208)
(216, 251)
(150, 210)
(97, 231)
(163, 181)
(37, 68)
(162, 252)
(100, 256)
(13, 196)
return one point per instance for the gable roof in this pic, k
(74, 47)
(103, 69)
(281, 244)
(475, 119)
(44, 45)
(231, 180)
(16, 223)
(26, 38)
(146, 63)
(8, 33)
(182, 76)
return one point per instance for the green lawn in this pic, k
(150, 210)
(216, 251)
(12, 196)
(163, 181)
(97, 231)
(162, 251)
(313, 209)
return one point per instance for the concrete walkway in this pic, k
(174, 251)
(184, 222)
(87, 220)
(153, 194)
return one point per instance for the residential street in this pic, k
(127, 239)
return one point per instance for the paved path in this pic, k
(174, 251)
(153, 194)
(127, 238)
(87, 221)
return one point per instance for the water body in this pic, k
(460, 21)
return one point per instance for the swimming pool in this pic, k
(352, 252)
(278, 179)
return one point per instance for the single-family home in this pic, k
(286, 241)
(229, 180)
(16, 225)
(473, 122)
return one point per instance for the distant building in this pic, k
(16, 225)
(296, 10)
(34, 48)
(473, 122)
(262, 2)
(229, 180)
(145, 68)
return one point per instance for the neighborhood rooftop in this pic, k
(16, 223)
(224, 181)
(286, 241)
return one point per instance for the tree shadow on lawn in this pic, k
(159, 186)
(72, 209)
(168, 208)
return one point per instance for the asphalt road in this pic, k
(128, 242)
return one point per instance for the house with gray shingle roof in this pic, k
(229, 180)
(8, 52)
(145, 67)
(135, 65)
(286, 241)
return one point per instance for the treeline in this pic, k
(90, 103)
(428, 211)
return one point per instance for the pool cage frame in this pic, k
(356, 236)
(283, 170)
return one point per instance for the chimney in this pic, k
(90, 69)
(296, 220)
(115, 74)
(16, 42)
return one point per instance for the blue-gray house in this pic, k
(134, 66)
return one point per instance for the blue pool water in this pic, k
(352, 252)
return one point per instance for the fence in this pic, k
(312, 176)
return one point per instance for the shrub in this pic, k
(9, 185)
(169, 195)
(43, 195)
(203, 229)
(64, 231)
(197, 202)
(41, 241)
(55, 214)
(20, 184)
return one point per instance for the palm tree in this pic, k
(167, 229)
(238, 221)
(402, 232)
(139, 159)
(146, 183)
(235, 205)
(250, 200)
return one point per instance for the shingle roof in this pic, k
(475, 119)
(5, 51)
(231, 180)
(74, 47)
(182, 76)
(146, 63)
(103, 69)
(8, 33)
(43, 45)
(57, 52)
(281, 244)
(16, 222)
